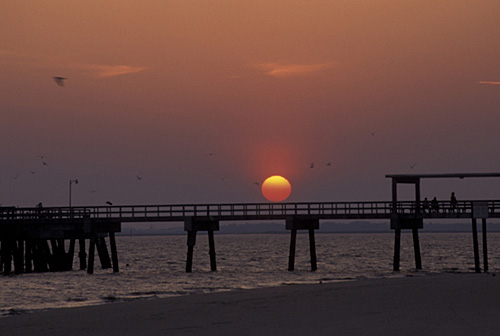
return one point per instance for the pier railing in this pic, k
(247, 211)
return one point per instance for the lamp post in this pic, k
(70, 183)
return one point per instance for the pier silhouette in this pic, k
(25, 232)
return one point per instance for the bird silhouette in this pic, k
(59, 80)
(109, 203)
(138, 177)
(312, 165)
(329, 164)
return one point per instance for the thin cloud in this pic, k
(98, 70)
(292, 70)
(489, 83)
(103, 71)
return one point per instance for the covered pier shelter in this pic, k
(412, 218)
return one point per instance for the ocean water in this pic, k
(154, 267)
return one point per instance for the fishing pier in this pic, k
(39, 239)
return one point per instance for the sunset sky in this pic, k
(198, 101)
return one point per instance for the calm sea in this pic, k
(154, 267)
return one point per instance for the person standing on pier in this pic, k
(435, 205)
(453, 202)
(426, 205)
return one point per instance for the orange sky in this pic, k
(201, 99)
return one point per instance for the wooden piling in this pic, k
(416, 249)
(1, 255)
(82, 255)
(90, 268)
(191, 242)
(312, 249)
(291, 255)
(294, 223)
(192, 225)
(211, 244)
(28, 257)
(70, 255)
(397, 249)
(18, 250)
(102, 252)
(485, 246)
(475, 246)
(7, 256)
(114, 252)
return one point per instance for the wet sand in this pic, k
(444, 304)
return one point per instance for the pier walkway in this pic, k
(244, 211)
(25, 233)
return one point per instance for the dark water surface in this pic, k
(154, 266)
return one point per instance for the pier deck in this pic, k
(242, 211)
(25, 233)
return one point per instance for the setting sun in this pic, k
(276, 188)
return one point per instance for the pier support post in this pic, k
(114, 252)
(90, 268)
(28, 257)
(398, 223)
(102, 251)
(312, 249)
(18, 250)
(70, 255)
(475, 243)
(291, 255)
(416, 249)
(211, 245)
(192, 225)
(6, 253)
(191, 242)
(397, 250)
(295, 223)
(485, 246)
(82, 255)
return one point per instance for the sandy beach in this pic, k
(442, 304)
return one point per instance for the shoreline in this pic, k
(459, 304)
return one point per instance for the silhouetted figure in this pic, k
(453, 202)
(59, 80)
(39, 208)
(435, 205)
(426, 205)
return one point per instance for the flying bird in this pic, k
(312, 165)
(109, 203)
(329, 164)
(413, 165)
(138, 177)
(59, 80)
